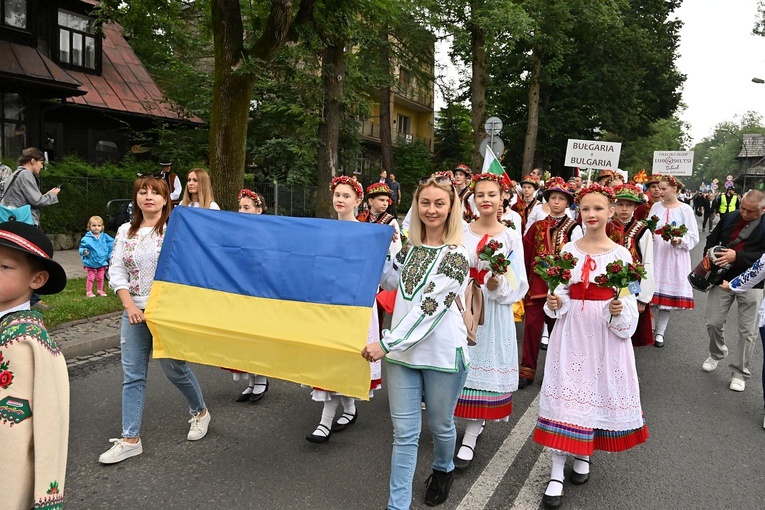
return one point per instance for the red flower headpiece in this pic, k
(256, 198)
(486, 176)
(507, 183)
(595, 188)
(673, 181)
(557, 184)
(348, 181)
(378, 188)
(530, 179)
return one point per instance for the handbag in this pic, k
(472, 310)
(22, 214)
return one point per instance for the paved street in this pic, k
(705, 449)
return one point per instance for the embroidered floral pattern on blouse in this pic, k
(429, 306)
(450, 297)
(455, 266)
(29, 324)
(6, 376)
(54, 499)
(747, 275)
(401, 255)
(430, 288)
(140, 259)
(417, 267)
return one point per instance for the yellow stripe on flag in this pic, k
(269, 337)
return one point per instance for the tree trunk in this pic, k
(532, 126)
(478, 88)
(232, 90)
(386, 136)
(332, 77)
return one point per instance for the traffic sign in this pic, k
(497, 146)
(729, 178)
(493, 126)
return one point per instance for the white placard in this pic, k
(592, 154)
(673, 162)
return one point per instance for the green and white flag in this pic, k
(491, 164)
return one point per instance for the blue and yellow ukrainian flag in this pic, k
(289, 298)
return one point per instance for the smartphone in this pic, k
(59, 186)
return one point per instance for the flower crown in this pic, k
(672, 180)
(255, 197)
(486, 176)
(556, 182)
(595, 188)
(348, 181)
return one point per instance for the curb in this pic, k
(66, 325)
(88, 346)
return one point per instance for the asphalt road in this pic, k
(705, 450)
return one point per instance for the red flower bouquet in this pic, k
(669, 232)
(652, 222)
(554, 269)
(498, 263)
(619, 275)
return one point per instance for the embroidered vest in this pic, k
(615, 231)
(632, 233)
(524, 210)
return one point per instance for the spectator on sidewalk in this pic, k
(172, 180)
(395, 195)
(96, 250)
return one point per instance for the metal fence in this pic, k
(83, 197)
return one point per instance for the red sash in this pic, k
(592, 293)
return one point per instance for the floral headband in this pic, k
(486, 176)
(595, 188)
(348, 181)
(256, 198)
(672, 180)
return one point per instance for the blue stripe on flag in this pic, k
(295, 259)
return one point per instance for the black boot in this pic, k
(437, 487)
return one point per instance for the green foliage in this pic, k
(71, 304)
(412, 161)
(454, 137)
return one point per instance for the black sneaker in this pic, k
(437, 487)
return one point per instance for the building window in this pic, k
(403, 124)
(107, 151)
(14, 125)
(76, 40)
(14, 13)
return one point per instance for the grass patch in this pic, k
(71, 304)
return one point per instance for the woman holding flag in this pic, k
(426, 350)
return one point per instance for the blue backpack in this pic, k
(22, 214)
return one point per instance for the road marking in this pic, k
(483, 488)
(531, 493)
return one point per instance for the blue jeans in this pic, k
(405, 390)
(136, 345)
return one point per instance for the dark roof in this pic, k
(28, 67)
(125, 84)
(753, 146)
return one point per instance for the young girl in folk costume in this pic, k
(672, 259)
(251, 203)
(590, 358)
(545, 237)
(346, 196)
(426, 349)
(527, 201)
(638, 239)
(493, 374)
(198, 192)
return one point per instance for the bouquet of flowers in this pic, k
(498, 263)
(652, 222)
(669, 232)
(554, 269)
(620, 275)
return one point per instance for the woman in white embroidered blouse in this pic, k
(131, 273)
(198, 192)
(426, 350)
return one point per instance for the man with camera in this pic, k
(742, 234)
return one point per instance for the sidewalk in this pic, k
(84, 337)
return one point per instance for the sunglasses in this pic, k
(438, 179)
(156, 176)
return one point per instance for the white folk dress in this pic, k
(493, 374)
(590, 398)
(673, 263)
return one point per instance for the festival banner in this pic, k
(289, 298)
(673, 162)
(592, 154)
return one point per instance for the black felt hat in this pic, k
(30, 239)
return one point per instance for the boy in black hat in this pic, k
(34, 385)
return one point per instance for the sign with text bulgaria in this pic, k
(591, 154)
(673, 162)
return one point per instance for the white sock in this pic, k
(327, 417)
(349, 405)
(473, 429)
(259, 383)
(662, 319)
(558, 463)
(250, 383)
(582, 464)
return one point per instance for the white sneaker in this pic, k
(120, 451)
(737, 384)
(710, 364)
(199, 426)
